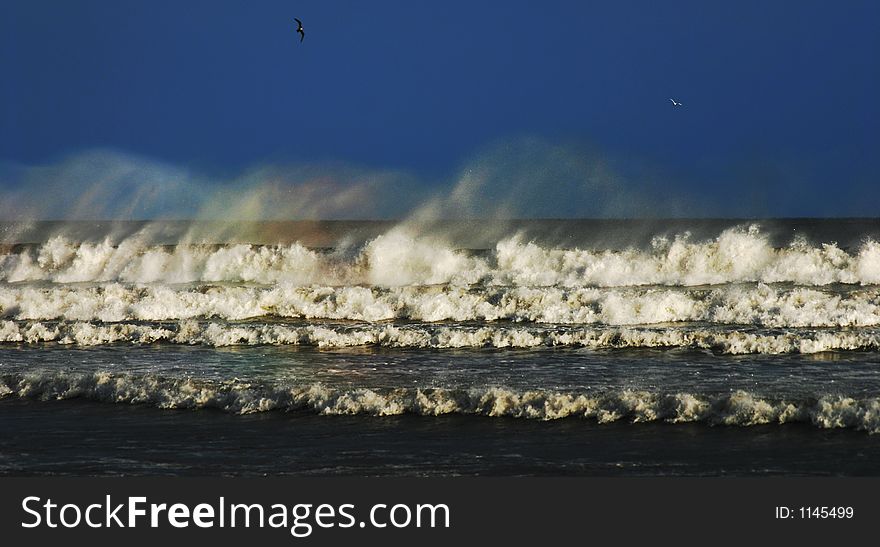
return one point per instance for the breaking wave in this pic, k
(738, 408)
(759, 305)
(399, 258)
(731, 294)
(419, 336)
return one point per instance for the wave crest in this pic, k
(399, 257)
(726, 341)
(739, 408)
(761, 305)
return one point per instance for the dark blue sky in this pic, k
(780, 96)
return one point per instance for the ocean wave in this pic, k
(739, 408)
(399, 258)
(758, 305)
(415, 336)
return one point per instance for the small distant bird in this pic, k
(302, 33)
(675, 103)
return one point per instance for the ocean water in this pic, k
(693, 347)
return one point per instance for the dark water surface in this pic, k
(84, 438)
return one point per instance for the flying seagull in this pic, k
(674, 103)
(302, 34)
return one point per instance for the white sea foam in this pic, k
(419, 336)
(726, 294)
(400, 258)
(738, 408)
(758, 305)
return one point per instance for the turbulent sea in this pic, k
(604, 347)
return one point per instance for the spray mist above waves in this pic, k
(109, 185)
(515, 178)
(424, 249)
(201, 275)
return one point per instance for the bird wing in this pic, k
(302, 35)
(298, 22)
(673, 101)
